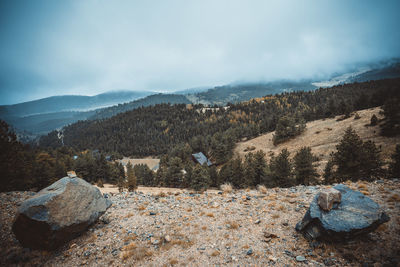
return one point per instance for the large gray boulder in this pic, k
(58, 213)
(355, 215)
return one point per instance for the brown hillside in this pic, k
(323, 136)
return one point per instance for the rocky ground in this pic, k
(240, 228)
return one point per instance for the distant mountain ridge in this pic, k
(70, 103)
(44, 115)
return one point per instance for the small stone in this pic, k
(154, 241)
(167, 239)
(87, 253)
(257, 222)
(270, 258)
(248, 198)
(249, 252)
(152, 213)
(114, 252)
(285, 223)
(328, 197)
(300, 258)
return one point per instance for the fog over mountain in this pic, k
(89, 47)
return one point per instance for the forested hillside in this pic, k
(155, 130)
(221, 95)
(143, 102)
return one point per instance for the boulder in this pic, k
(355, 215)
(58, 213)
(328, 197)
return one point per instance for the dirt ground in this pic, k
(172, 227)
(323, 136)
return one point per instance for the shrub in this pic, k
(226, 188)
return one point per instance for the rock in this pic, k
(269, 236)
(167, 239)
(328, 197)
(249, 252)
(58, 213)
(355, 215)
(300, 258)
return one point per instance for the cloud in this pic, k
(88, 47)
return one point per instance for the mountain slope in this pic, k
(69, 103)
(323, 136)
(42, 123)
(222, 95)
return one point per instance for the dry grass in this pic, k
(215, 253)
(232, 225)
(173, 261)
(130, 214)
(132, 251)
(394, 198)
(210, 215)
(262, 189)
(142, 207)
(161, 194)
(275, 216)
(330, 133)
(226, 188)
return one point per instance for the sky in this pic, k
(93, 46)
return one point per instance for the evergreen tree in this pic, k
(174, 175)
(200, 178)
(329, 174)
(255, 169)
(356, 159)
(391, 110)
(348, 156)
(280, 170)
(131, 178)
(371, 164)
(213, 174)
(394, 167)
(374, 120)
(287, 128)
(305, 172)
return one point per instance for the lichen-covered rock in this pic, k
(328, 197)
(355, 215)
(58, 213)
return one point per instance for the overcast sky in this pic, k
(92, 46)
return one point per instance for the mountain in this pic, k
(379, 71)
(158, 129)
(69, 103)
(42, 123)
(222, 95)
(144, 102)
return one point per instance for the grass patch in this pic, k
(226, 188)
(132, 251)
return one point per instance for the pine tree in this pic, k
(394, 168)
(374, 120)
(131, 178)
(371, 164)
(305, 172)
(200, 178)
(281, 170)
(356, 159)
(348, 156)
(174, 175)
(329, 175)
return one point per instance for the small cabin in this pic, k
(201, 159)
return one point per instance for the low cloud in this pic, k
(88, 47)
